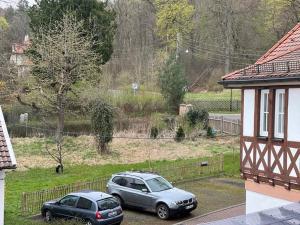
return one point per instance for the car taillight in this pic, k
(98, 215)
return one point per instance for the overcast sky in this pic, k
(13, 3)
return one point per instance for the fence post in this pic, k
(222, 124)
(230, 100)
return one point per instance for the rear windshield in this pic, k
(108, 203)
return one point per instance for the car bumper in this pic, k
(183, 209)
(111, 221)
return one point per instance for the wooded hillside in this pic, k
(210, 37)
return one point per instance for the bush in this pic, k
(210, 132)
(180, 135)
(196, 116)
(153, 132)
(102, 125)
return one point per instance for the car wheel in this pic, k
(120, 200)
(163, 211)
(48, 216)
(88, 222)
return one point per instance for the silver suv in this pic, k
(150, 192)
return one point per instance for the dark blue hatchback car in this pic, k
(93, 208)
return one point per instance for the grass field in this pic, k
(43, 178)
(209, 96)
(31, 153)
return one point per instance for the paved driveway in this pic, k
(212, 194)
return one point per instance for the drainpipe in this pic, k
(2, 176)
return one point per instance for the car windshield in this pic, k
(107, 203)
(159, 184)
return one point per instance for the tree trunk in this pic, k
(60, 128)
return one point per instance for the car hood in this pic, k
(174, 194)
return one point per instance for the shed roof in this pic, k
(281, 62)
(7, 156)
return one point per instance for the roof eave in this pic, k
(295, 80)
(13, 167)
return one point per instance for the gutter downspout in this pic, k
(2, 184)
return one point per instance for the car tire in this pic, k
(120, 200)
(163, 211)
(88, 222)
(48, 216)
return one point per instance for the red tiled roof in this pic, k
(19, 48)
(7, 158)
(281, 61)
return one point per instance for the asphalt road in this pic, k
(227, 116)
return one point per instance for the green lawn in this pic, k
(38, 179)
(224, 95)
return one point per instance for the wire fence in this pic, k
(229, 105)
(176, 172)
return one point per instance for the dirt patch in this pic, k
(31, 152)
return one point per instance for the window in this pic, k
(264, 112)
(159, 184)
(120, 181)
(84, 203)
(138, 185)
(279, 114)
(108, 203)
(69, 200)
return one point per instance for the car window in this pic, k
(69, 200)
(129, 182)
(159, 184)
(108, 203)
(84, 203)
(138, 185)
(120, 181)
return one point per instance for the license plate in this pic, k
(189, 206)
(111, 214)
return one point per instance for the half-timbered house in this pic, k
(270, 136)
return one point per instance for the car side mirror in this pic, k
(145, 190)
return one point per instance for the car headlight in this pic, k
(179, 202)
(173, 205)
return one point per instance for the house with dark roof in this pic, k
(270, 137)
(7, 161)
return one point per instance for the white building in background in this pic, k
(19, 58)
(7, 161)
(270, 139)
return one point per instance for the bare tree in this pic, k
(61, 58)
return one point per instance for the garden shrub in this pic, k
(102, 125)
(180, 135)
(210, 132)
(196, 116)
(153, 132)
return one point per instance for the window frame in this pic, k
(262, 112)
(277, 134)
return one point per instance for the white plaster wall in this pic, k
(294, 114)
(2, 175)
(256, 202)
(248, 120)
